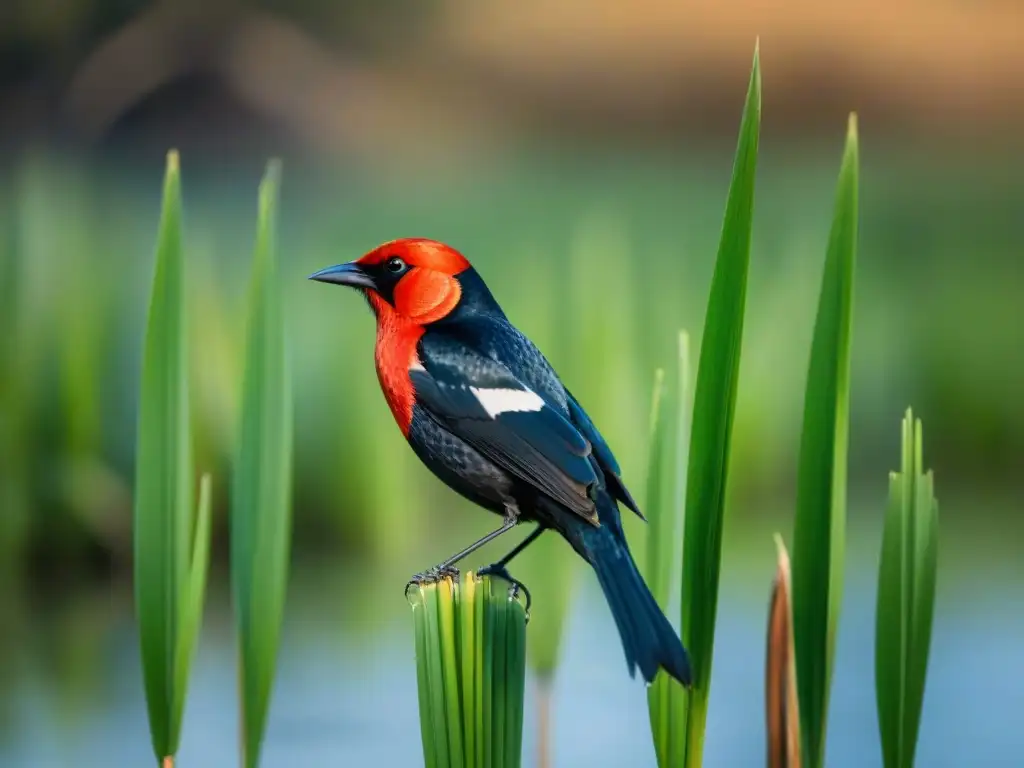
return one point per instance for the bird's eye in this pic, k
(394, 265)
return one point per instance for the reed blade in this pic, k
(820, 524)
(782, 718)
(427, 730)
(195, 589)
(163, 510)
(447, 610)
(467, 666)
(906, 600)
(471, 671)
(658, 564)
(666, 494)
(261, 497)
(714, 404)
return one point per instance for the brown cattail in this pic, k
(782, 717)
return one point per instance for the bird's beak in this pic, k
(349, 273)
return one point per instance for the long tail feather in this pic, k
(648, 638)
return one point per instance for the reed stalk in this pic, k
(470, 638)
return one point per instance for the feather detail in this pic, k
(425, 296)
(480, 401)
(394, 356)
(499, 401)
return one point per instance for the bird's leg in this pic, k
(448, 569)
(500, 568)
(500, 565)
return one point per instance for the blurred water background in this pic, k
(579, 154)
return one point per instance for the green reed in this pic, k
(171, 545)
(171, 540)
(906, 600)
(666, 490)
(713, 408)
(470, 640)
(261, 491)
(819, 529)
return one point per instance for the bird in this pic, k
(484, 410)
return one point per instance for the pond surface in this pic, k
(346, 687)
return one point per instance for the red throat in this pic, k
(426, 291)
(395, 354)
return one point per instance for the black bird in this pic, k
(483, 409)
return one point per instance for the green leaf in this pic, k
(659, 520)
(435, 672)
(423, 684)
(467, 671)
(481, 688)
(192, 595)
(19, 368)
(162, 516)
(470, 672)
(659, 560)
(499, 680)
(906, 600)
(448, 594)
(515, 662)
(714, 404)
(261, 498)
(819, 528)
(666, 698)
(486, 651)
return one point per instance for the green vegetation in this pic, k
(906, 600)
(362, 485)
(819, 530)
(359, 491)
(903, 620)
(713, 406)
(15, 436)
(171, 548)
(666, 698)
(804, 606)
(261, 499)
(471, 672)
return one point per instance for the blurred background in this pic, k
(579, 153)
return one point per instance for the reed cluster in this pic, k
(471, 633)
(688, 472)
(471, 672)
(171, 537)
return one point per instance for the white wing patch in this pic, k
(499, 401)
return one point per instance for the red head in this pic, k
(410, 283)
(411, 280)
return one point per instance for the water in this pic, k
(346, 688)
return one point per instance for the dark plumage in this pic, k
(484, 410)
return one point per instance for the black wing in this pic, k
(482, 402)
(603, 454)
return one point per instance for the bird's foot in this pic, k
(515, 586)
(432, 576)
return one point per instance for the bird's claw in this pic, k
(516, 586)
(432, 576)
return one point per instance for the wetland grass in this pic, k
(471, 672)
(171, 540)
